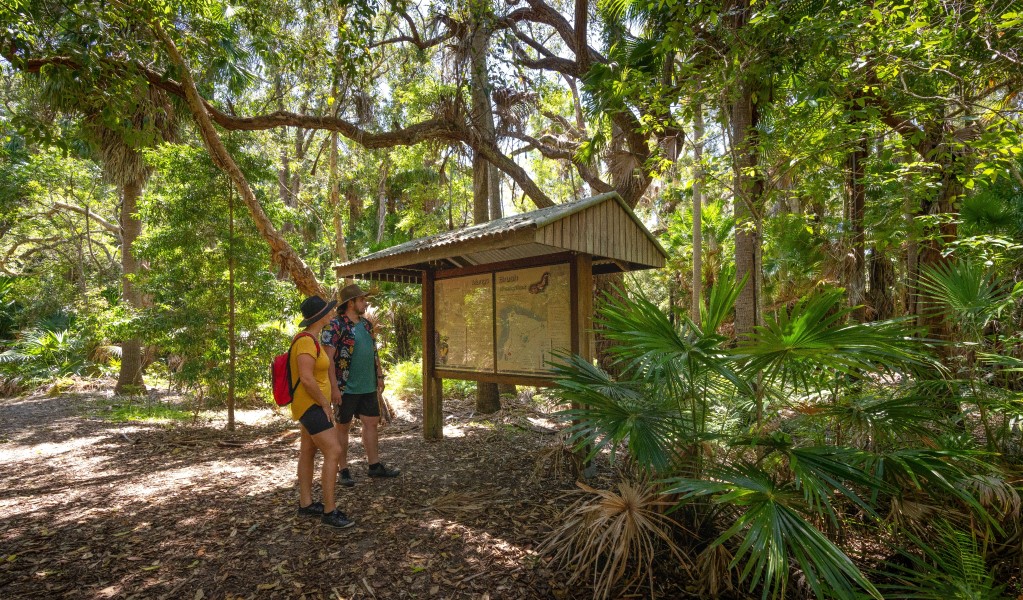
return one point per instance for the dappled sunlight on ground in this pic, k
(97, 508)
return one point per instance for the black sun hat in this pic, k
(314, 308)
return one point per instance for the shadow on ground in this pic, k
(95, 509)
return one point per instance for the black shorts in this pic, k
(357, 405)
(315, 420)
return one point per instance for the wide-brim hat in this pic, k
(350, 292)
(315, 308)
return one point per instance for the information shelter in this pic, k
(501, 297)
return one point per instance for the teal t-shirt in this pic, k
(362, 375)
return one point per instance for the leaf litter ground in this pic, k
(91, 508)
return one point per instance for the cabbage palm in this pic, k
(661, 404)
(971, 300)
(42, 353)
(773, 494)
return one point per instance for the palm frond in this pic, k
(606, 413)
(967, 294)
(938, 473)
(813, 339)
(770, 529)
(869, 421)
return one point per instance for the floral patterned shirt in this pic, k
(338, 334)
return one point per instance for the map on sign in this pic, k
(465, 323)
(534, 318)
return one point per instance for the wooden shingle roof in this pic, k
(602, 226)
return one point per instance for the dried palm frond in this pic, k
(613, 536)
(714, 572)
(911, 513)
(556, 461)
(458, 502)
(994, 492)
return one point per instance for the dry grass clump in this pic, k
(612, 537)
(556, 461)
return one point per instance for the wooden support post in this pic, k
(582, 296)
(433, 397)
(582, 323)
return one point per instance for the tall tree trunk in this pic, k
(284, 186)
(855, 194)
(879, 296)
(486, 195)
(231, 346)
(748, 200)
(340, 248)
(382, 199)
(354, 209)
(910, 211)
(129, 379)
(697, 211)
(494, 192)
(937, 238)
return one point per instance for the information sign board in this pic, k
(465, 323)
(508, 322)
(533, 318)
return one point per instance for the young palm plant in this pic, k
(976, 304)
(41, 354)
(775, 496)
(950, 568)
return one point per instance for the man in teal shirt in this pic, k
(348, 342)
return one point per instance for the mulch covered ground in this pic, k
(91, 508)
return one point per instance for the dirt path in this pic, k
(91, 508)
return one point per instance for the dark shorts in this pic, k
(315, 420)
(357, 405)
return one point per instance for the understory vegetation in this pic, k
(820, 456)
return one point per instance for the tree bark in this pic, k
(340, 248)
(880, 301)
(486, 197)
(231, 345)
(697, 211)
(855, 195)
(748, 200)
(382, 200)
(129, 379)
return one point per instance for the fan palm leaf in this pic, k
(966, 293)
(814, 340)
(770, 529)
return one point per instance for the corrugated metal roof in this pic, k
(507, 238)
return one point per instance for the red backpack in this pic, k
(280, 373)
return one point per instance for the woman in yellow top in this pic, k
(311, 407)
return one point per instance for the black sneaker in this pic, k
(381, 470)
(316, 508)
(346, 478)
(336, 519)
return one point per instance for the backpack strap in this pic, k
(294, 387)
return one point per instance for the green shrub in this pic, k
(40, 354)
(405, 382)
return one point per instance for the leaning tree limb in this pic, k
(281, 252)
(91, 214)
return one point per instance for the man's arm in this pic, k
(335, 392)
